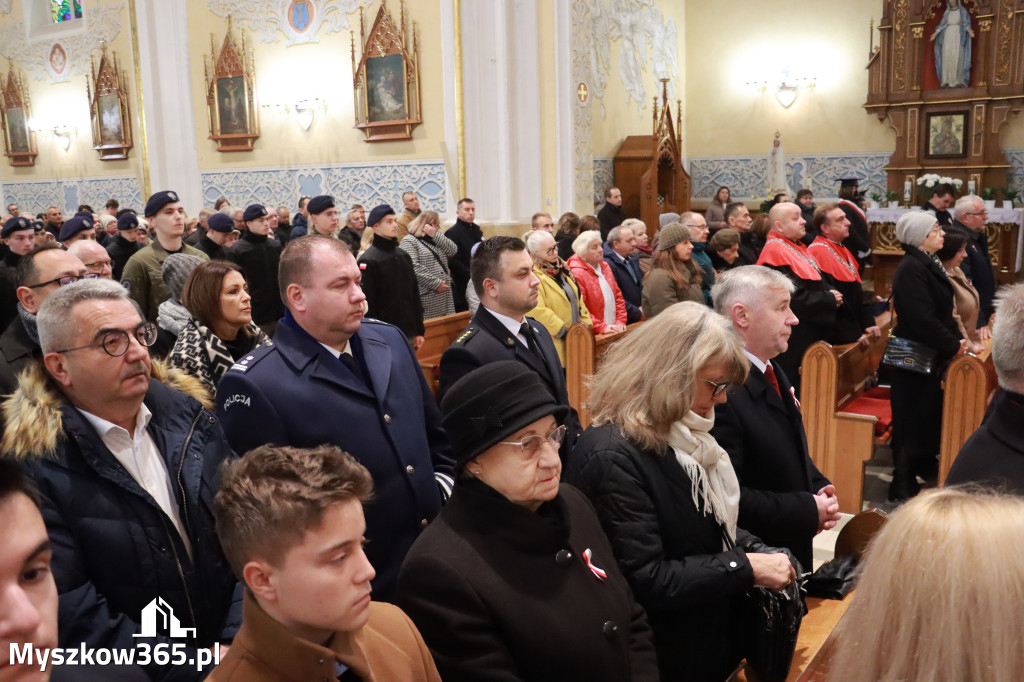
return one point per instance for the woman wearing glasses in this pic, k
(559, 304)
(667, 494)
(221, 330)
(515, 580)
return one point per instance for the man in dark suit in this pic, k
(784, 499)
(333, 377)
(620, 255)
(503, 277)
(465, 233)
(971, 215)
(611, 214)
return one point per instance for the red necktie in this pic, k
(770, 373)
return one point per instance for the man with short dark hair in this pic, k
(125, 243)
(333, 377)
(504, 279)
(52, 221)
(970, 217)
(737, 217)
(352, 233)
(465, 233)
(938, 204)
(13, 211)
(126, 469)
(291, 523)
(258, 256)
(19, 237)
(389, 280)
(611, 214)
(620, 255)
(411, 204)
(299, 221)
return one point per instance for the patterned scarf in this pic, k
(553, 270)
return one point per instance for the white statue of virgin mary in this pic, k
(777, 180)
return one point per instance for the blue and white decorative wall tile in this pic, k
(368, 184)
(604, 176)
(747, 176)
(1015, 157)
(38, 195)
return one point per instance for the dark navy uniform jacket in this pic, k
(297, 393)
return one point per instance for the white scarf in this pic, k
(713, 480)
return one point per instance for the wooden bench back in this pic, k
(970, 383)
(583, 352)
(439, 333)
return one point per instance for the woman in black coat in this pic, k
(666, 493)
(923, 301)
(514, 580)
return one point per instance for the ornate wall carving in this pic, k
(59, 58)
(604, 176)
(899, 20)
(300, 21)
(67, 194)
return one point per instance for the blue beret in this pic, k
(253, 212)
(127, 221)
(219, 222)
(378, 213)
(15, 225)
(74, 225)
(158, 201)
(320, 204)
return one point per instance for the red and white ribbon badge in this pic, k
(601, 575)
(792, 392)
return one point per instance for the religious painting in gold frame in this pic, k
(231, 95)
(15, 115)
(386, 78)
(111, 116)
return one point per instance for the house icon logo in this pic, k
(159, 616)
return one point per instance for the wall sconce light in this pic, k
(62, 133)
(305, 110)
(786, 86)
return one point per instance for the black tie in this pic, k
(527, 333)
(349, 361)
(632, 272)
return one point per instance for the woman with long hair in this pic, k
(568, 230)
(673, 277)
(430, 251)
(715, 213)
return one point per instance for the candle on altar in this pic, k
(907, 186)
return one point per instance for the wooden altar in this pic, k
(649, 168)
(949, 128)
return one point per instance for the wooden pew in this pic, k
(583, 351)
(439, 333)
(970, 383)
(840, 441)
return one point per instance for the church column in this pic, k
(167, 100)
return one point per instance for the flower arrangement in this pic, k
(926, 184)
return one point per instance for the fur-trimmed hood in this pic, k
(33, 422)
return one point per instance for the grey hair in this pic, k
(54, 318)
(583, 241)
(965, 203)
(745, 285)
(1008, 338)
(615, 234)
(634, 224)
(534, 238)
(228, 210)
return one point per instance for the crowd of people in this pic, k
(224, 417)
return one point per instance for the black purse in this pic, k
(912, 356)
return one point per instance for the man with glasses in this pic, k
(94, 256)
(127, 468)
(40, 273)
(969, 219)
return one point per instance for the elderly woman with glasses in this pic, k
(666, 492)
(559, 304)
(515, 580)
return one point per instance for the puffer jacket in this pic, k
(114, 549)
(590, 288)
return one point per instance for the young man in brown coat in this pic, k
(291, 524)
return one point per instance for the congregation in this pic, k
(224, 416)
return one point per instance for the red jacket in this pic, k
(592, 296)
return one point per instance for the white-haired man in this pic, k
(969, 216)
(784, 499)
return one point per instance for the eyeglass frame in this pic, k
(718, 389)
(71, 280)
(145, 324)
(560, 430)
(99, 265)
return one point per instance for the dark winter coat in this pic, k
(389, 282)
(994, 454)
(120, 250)
(630, 284)
(465, 235)
(258, 257)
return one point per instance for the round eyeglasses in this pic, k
(531, 446)
(115, 342)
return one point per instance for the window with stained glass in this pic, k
(65, 10)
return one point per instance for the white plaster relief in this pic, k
(270, 19)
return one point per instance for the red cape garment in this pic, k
(835, 259)
(782, 252)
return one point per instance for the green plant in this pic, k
(876, 197)
(1010, 194)
(766, 205)
(988, 193)
(892, 195)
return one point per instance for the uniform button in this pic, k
(410, 470)
(387, 419)
(423, 523)
(321, 661)
(732, 564)
(563, 557)
(609, 628)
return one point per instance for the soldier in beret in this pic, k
(324, 218)
(220, 230)
(79, 226)
(258, 255)
(125, 243)
(142, 275)
(18, 235)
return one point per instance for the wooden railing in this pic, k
(583, 352)
(969, 384)
(439, 333)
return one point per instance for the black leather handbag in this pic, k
(912, 356)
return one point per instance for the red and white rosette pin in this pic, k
(599, 572)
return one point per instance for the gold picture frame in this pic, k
(231, 95)
(15, 115)
(386, 79)
(107, 89)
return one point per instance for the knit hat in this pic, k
(106, 219)
(491, 403)
(667, 219)
(673, 234)
(913, 227)
(177, 268)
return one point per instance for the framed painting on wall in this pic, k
(947, 136)
(16, 115)
(231, 95)
(109, 108)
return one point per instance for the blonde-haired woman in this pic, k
(940, 594)
(430, 251)
(666, 493)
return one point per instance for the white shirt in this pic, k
(512, 325)
(139, 455)
(756, 361)
(608, 294)
(337, 353)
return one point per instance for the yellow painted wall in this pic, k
(67, 103)
(286, 74)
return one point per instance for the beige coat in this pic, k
(967, 304)
(661, 291)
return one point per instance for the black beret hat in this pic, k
(158, 201)
(491, 403)
(74, 225)
(219, 222)
(319, 204)
(127, 221)
(378, 213)
(15, 225)
(254, 211)
(38, 226)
